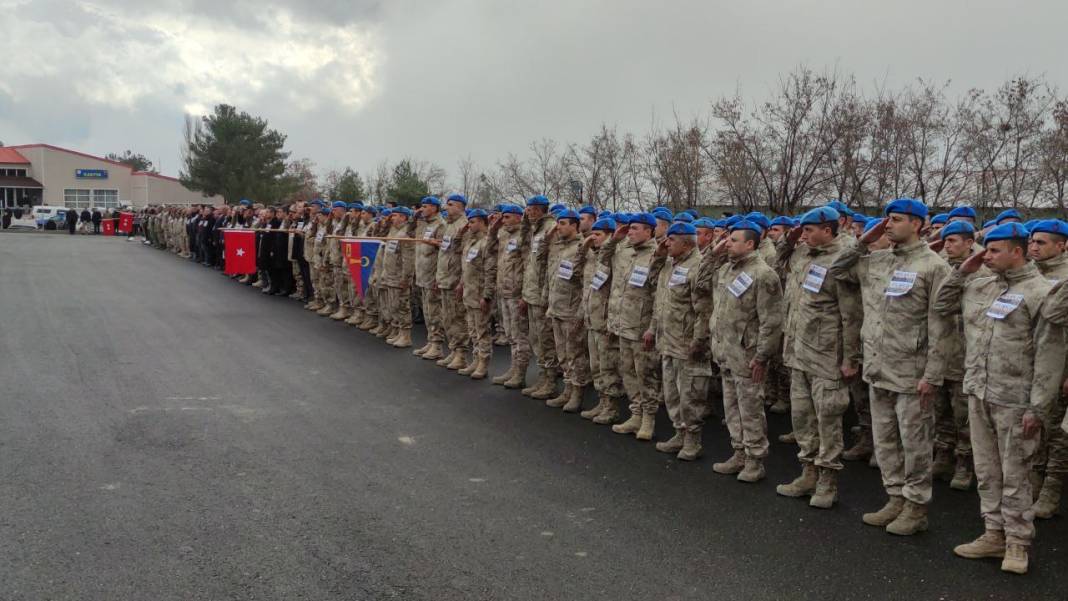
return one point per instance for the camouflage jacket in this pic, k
(450, 255)
(398, 260)
(535, 256)
(426, 255)
(596, 285)
(473, 276)
(506, 246)
(636, 270)
(746, 322)
(907, 336)
(1015, 356)
(682, 307)
(564, 275)
(1055, 269)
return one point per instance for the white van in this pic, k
(44, 213)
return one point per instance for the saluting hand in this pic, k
(794, 235)
(876, 232)
(937, 245)
(621, 231)
(972, 263)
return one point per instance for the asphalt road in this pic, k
(167, 434)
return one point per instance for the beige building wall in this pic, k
(55, 168)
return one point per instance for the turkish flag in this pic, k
(107, 227)
(125, 223)
(240, 251)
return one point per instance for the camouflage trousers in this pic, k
(604, 358)
(686, 391)
(743, 406)
(516, 328)
(478, 332)
(952, 432)
(342, 286)
(453, 322)
(640, 370)
(1052, 455)
(1002, 465)
(399, 303)
(777, 383)
(904, 443)
(541, 337)
(370, 303)
(431, 302)
(298, 280)
(325, 285)
(569, 336)
(816, 410)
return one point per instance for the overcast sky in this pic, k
(351, 83)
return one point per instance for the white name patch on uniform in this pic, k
(391, 246)
(900, 283)
(678, 276)
(599, 279)
(446, 242)
(428, 233)
(814, 278)
(566, 270)
(320, 235)
(535, 244)
(513, 244)
(638, 275)
(1005, 304)
(740, 284)
(472, 253)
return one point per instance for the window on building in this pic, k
(108, 199)
(77, 199)
(12, 173)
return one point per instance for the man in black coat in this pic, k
(72, 221)
(86, 218)
(97, 218)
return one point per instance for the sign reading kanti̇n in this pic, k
(91, 173)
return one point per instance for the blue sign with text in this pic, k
(91, 173)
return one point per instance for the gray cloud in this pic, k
(458, 77)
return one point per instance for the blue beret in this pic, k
(431, 200)
(730, 221)
(841, 207)
(704, 222)
(537, 201)
(588, 210)
(606, 224)
(245, 202)
(477, 214)
(324, 211)
(783, 221)
(566, 213)
(510, 208)
(1051, 226)
(659, 208)
(907, 206)
(662, 213)
(339, 205)
(1008, 231)
(1009, 214)
(964, 211)
(386, 212)
(643, 218)
(556, 207)
(683, 217)
(746, 224)
(355, 205)
(604, 214)
(861, 219)
(693, 212)
(1030, 224)
(622, 218)
(403, 211)
(758, 218)
(961, 228)
(871, 223)
(940, 218)
(370, 209)
(990, 223)
(819, 215)
(681, 227)
(460, 198)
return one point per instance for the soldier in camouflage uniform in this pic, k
(564, 269)
(447, 277)
(636, 268)
(1046, 249)
(907, 363)
(603, 346)
(398, 268)
(536, 223)
(430, 227)
(1008, 400)
(342, 281)
(369, 229)
(746, 326)
(679, 329)
(331, 258)
(507, 245)
(827, 353)
(476, 293)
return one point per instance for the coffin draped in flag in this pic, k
(126, 223)
(240, 251)
(360, 257)
(107, 227)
